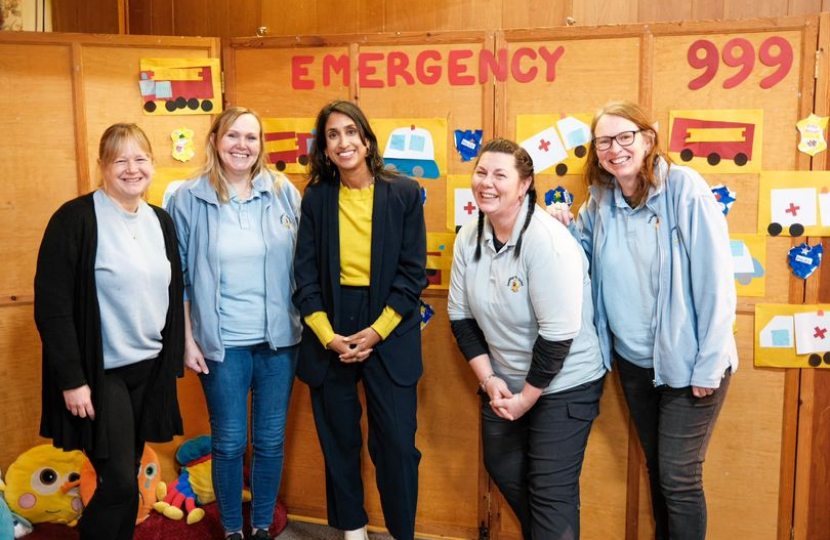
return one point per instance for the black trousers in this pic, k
(674, 428)
(392, 424)
(536, 460)
(112, 511)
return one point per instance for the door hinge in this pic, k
(484, 532)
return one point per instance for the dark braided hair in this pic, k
(524, 166)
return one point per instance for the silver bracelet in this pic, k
(483, 383)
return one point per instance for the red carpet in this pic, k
(158, 527)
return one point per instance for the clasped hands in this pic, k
(354, 348)
(508, 405)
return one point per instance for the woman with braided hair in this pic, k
(520, 309)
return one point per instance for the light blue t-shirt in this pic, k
(241, 250)
(630, 291)
(132, 277)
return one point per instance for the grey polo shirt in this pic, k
(544, 292)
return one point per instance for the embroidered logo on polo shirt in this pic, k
(515, 283)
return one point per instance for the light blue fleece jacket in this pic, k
(696, 300)
(195, 211)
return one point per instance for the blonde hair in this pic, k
(113, 141)
(594, 174)
(215, 169)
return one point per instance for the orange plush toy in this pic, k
(149, 477)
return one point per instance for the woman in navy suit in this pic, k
(360, 269)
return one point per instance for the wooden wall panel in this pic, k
(648, 10)
(20, 372)
(38, 119)
(237, 18)
(84, 16)
(707, 9)
(749, 9)
(598, 12)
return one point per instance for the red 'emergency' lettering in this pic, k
(516, 65)
(456, 70)
(488, 62)
(364, 70)
(396, 64)
(299, 71)
(428, 74)
(332, 64)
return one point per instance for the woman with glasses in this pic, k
(664, 297)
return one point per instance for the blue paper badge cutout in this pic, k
(468, 143)
(559, 194)
(426, 314)
(725, 197)
(805, 259)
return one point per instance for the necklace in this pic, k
(130, 225)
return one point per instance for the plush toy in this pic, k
(6, 519)
(42, 485)
(149, 476)
(194, 484)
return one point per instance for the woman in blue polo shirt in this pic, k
(237, 226)
(520, 309)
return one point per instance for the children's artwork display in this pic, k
(554, 142)
(794, 203)
(792, 336)
(439, 259)
(416, 147)
(717, 141)
(288, 143)
(461, 205)
(166, 180)
(180, 86)
(811, 130)
(749, 261)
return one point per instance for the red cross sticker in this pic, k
(793, 209)
(819, 332)
(544, 145)
(469, 208)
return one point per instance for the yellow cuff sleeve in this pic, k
(387, 322)
(321, 326)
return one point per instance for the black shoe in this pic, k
(262, 534)
(235, 536)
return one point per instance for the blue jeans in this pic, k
(269, 375)
(674, 428)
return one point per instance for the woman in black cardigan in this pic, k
(360, 267)
(108, 306)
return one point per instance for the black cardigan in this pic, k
(69, 322)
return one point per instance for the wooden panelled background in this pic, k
(238, 18)
(768, 466)
(67, 89)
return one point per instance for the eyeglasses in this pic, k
(623, 138)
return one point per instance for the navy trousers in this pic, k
(392, 424)
(536, 460)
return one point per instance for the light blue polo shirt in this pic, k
(630, 290)
(241, 250)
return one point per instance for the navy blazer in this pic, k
(397, 273)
